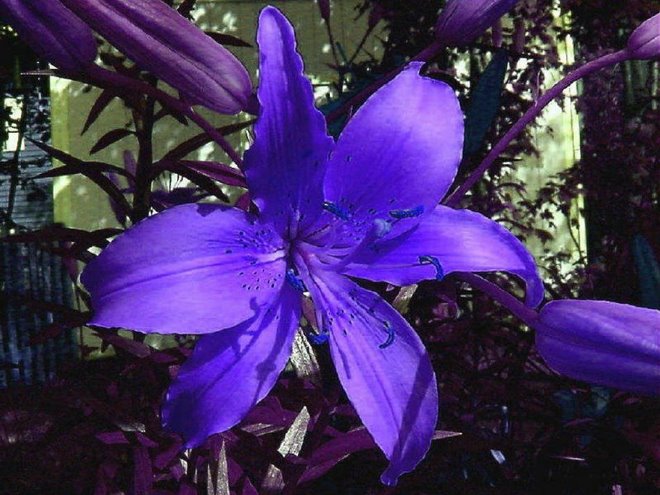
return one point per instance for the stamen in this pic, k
(409, 213)
(432, 260)
(295, 281)
(390, 335)
(336, 210)
(318, 338)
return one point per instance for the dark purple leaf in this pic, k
(142, 471)
(164, 112)
(97, 178)
(228, 39)
(146, 441)
(186, 489)
(57, 233)
(196, 142)
(100, 104)
(137, 349)
(335, 450)
(217, 171)
(248, 488)
(202, 181)
(186, 7)
(161, 200)
(75, 162)
(55, 329)
(109, 138)
(112, 438)
(167, 456)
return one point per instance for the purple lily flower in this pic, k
(606, 343)
(365, 206)
(52, 31)
(160, 40)
(644, 42)
(463, 21)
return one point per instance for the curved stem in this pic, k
(530, 115)
(113, 80)
(422, 56)
(524, 313)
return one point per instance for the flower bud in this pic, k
(463, 21)
(644, 42)
(160, 40)
(603, 343)
(52, 31)
(324, 8)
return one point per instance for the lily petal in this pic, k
(191, 269)
(285, 164)
(398, 154)
(230, 371)
(601, 342)
(460, 241)
(384, 368)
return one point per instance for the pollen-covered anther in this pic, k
(432, 260)
(295, 281)
(407, 213)
(318, 338)
(336, 210)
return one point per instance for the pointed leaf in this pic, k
(485, 102)
(100, 104)
(165, 111)
(204, 182)
(68, 159)
(109, 138)
(228, 39)
(196, 142)
(648, 272)
(217, 171)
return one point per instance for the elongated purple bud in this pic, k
(52, 31)
(324, 8)
(160, 40)
(463, 21)
(601, 342)
(644, 42)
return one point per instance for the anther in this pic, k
(318, 338)
(432, 260)
(295, 281)
(336, 210)
(409, 213)
(390, 335)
